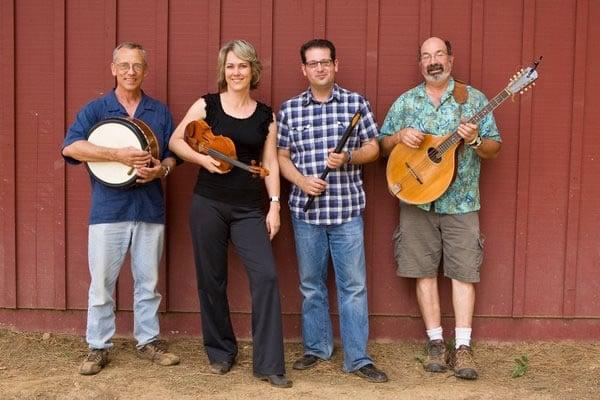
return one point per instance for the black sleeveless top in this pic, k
(237, 187)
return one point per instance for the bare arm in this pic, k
(82, 150)
(269, 159)
(178, 145)
(487, 149)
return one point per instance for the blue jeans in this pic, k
(107, 246)
(314, 245)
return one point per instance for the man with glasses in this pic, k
(124, 219)
(449, 227)
(310, 126)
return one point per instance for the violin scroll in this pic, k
(257, 170)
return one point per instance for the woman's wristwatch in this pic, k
(274, 199)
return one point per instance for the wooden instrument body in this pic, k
(419, 176)
(201, 139)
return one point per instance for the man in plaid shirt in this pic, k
(310, 126)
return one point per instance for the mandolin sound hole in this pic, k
(434, 155)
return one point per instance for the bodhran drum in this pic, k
(118, 133)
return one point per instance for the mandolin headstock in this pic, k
(524, 79)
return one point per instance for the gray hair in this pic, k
(131, 46)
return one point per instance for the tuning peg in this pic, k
(522, 70)
(521, 92)
(526, 89)
(533, 84)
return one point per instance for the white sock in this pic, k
(462, 337)
(435, 333)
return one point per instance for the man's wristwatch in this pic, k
(274, 199)
(349, 157)
(476, 143)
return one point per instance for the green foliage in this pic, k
(521, 366)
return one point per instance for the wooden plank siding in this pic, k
(541, 197)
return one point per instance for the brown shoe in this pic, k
(94, 362)
(463, 363)
(156, 352)
(436, 356)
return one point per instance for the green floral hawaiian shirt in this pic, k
(413, 109)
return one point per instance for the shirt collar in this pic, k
(335, 95)
(115, 106)
(445, 96)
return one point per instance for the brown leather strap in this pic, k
(460, 92)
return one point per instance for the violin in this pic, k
(201, 138)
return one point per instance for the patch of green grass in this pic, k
(521, 366)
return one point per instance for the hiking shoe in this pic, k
(463, 363)
(436, 356)
(371, 373)
(94, 362)
(156, 352)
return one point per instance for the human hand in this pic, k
(150, 172)
(411, 137)
(133, 157)
(468, 132)
(273, 220)
(312, 186)
(336, 160)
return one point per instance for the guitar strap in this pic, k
(460, 92)
(461, 95)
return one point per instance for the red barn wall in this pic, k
(541, 205)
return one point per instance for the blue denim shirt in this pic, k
(413, 109)
(144, 203)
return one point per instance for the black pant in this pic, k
(212, 225)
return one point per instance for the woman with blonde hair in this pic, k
(229, 206)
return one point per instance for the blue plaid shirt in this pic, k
(308, 128)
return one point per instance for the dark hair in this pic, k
(448, 49)
(317, 43)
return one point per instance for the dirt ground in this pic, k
(44, 366)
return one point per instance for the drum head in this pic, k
(115, 133)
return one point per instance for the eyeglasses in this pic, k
(426, 57)
(124, 67)
(315, 64)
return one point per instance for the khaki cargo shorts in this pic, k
(422, 238)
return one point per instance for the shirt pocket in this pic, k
(301, 138)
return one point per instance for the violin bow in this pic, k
(338, 149)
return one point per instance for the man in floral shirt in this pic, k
(448, 227)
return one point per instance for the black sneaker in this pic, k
(306, 361)
(220, 367)
(371, 373)
(279, 381)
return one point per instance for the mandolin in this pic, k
(422, 175)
